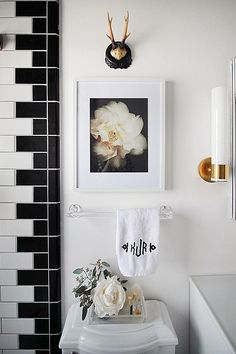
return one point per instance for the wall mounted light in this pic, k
(1, 41)
(216, 167)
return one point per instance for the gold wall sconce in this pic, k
(1, 41)
(216, 167)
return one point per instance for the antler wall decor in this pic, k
(118, 54)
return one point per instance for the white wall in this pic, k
(190, 44)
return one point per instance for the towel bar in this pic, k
(76, 211)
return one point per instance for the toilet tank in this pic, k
(155, 335)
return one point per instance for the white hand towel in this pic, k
(137, 237)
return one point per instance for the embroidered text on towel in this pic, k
(140, 249)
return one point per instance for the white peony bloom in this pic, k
(117, 133)
(109, 297)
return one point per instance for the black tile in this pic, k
(40, 293)
(53, 51)
(31, 143)
(39, 25)
(40, 160)
(54, 152)
(53, 17)
(40, 228)
(54, 252)
(40, 194)
(30, 42)
(53, 84)
(39, 59)
(55, 314)
(32, 277)
(31, 177)
(30, 76)
(40, 261)
(39, 93)
(54, 186)
(39, 126)
(31, 341)
(54, 219)
(41, 326)
(53, 118)
(31, 110)
(32, 310)
(30, 8)
(31, 211)
(55, 285)
(32, 244)
(54, 344)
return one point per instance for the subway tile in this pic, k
(31, 110)
(33, 277)
(53, 51)
(31, 211)
(22, 59)
(39, 59)
(40, 194)
(55, 285)
(16, 25)
(16, 260)
(53, 118)
(55, 313)
(7, 143)
(54, 186)
(54, 219)
(38, 341)
(8, 310)
(7, 211)
(18, 160)
(7, 177)
(40, 127)
(41, 325)
(40, 261)
(54, 252)
(40, 293)
(39, 93)
(39, 25)
(7, 109)
(30, 42)
(16, 93)
(16, 227)
(30, 8)
(7, 244)
(40, 160)
(7, 9)
(30, 76)
(19, 126)
(16, 194)
(31, 143)
(18, 325)
(33, 310)
(53, 84)
(8, 277)
(9, 341)
(7, 76)
(32, 244)
(31, 177)
(17, 293)
(54, 344)
(9, 42)
(54, 152)
(53, 17)
(40, 227)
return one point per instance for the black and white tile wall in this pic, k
(30, 319)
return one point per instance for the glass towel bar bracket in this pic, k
(76, 211)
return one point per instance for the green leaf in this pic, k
(94, 271)
(84, 312)
(78, 271)
(123, 281)
(81, 290)
(124, 288)
(105, 264)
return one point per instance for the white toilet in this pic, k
(155, 335)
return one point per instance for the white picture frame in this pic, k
(132, 165)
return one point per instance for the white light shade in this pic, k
(219, 126)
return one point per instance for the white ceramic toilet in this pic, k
(155, 335)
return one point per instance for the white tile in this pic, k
(16, 25)
(19, 325)
(16, 92)
(8, 277)
(7, 75)
(17, 293)
(7, 143)
(7, 177)
(18, 58)
(9, 341)
(8, 310)
(16, 261)
(18, 126)
(7, 9)
(7, 211)
(7, 109)
(9, 42)
(18, 160)
(16, 227)
(22, 194)
(7, 244)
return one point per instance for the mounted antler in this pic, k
(126, 28)
(110, 35)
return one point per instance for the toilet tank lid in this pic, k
(157, 330)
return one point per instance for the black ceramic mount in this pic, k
(123, 63)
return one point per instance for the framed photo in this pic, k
(120, 135)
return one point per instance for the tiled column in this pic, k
(30, 297)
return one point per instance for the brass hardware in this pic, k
(204, 169)
(213, 173)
